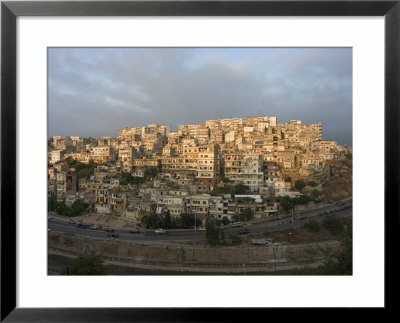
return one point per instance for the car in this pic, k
(236, 224)
(160, 231)
(244, 232)
(340, 203)
(69, 233)
(49, 217)
(71, 222)
(134, 231)
(113, 235)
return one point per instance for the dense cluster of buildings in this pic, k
(193, 164)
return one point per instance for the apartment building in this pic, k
(101, 154)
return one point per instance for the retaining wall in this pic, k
(185, 255)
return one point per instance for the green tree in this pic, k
(212, 232)
(186, 220)
(86, 264)
(288, 179)
(166, 220)
(299, 184)
(248, 214)
(70, 161)
(315, 193)
(151, 221)
(225, 220)
(220, 190)
(312, 183)
(150, 173)
(241, 189)
(78, 207)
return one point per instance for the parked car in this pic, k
(113, 235)
(340, 203)
(236, 224)
(244, 232)
(160, 231)
(69, 233)
(134, 231)
(71, 221)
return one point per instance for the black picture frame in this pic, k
(10, 10)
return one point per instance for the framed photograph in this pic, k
(102, 105)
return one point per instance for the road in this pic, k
(189, 235)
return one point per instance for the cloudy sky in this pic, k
(93, 92)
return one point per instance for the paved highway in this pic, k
(254, 226)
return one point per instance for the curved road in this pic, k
(254, 226)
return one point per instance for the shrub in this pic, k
(299, 184)
(212, 232)
(312, 183)
(313, 226)
(86, 264)
(333, 225)
(225, 220)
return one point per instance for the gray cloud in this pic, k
(94, 92)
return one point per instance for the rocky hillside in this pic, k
(340, 183)
(334, 183)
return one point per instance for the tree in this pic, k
(241, 189)
(151, 221)
(315, 193)
(288, 179)
(212, 232)
(220, 191)
(312, 183)
(299, 184)
(248, 214)
(78, 207)
(166, 220)
(150, 173)
(187, 220)
(86, 264)
(61, 208)
(225, 220)
(70, 161)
